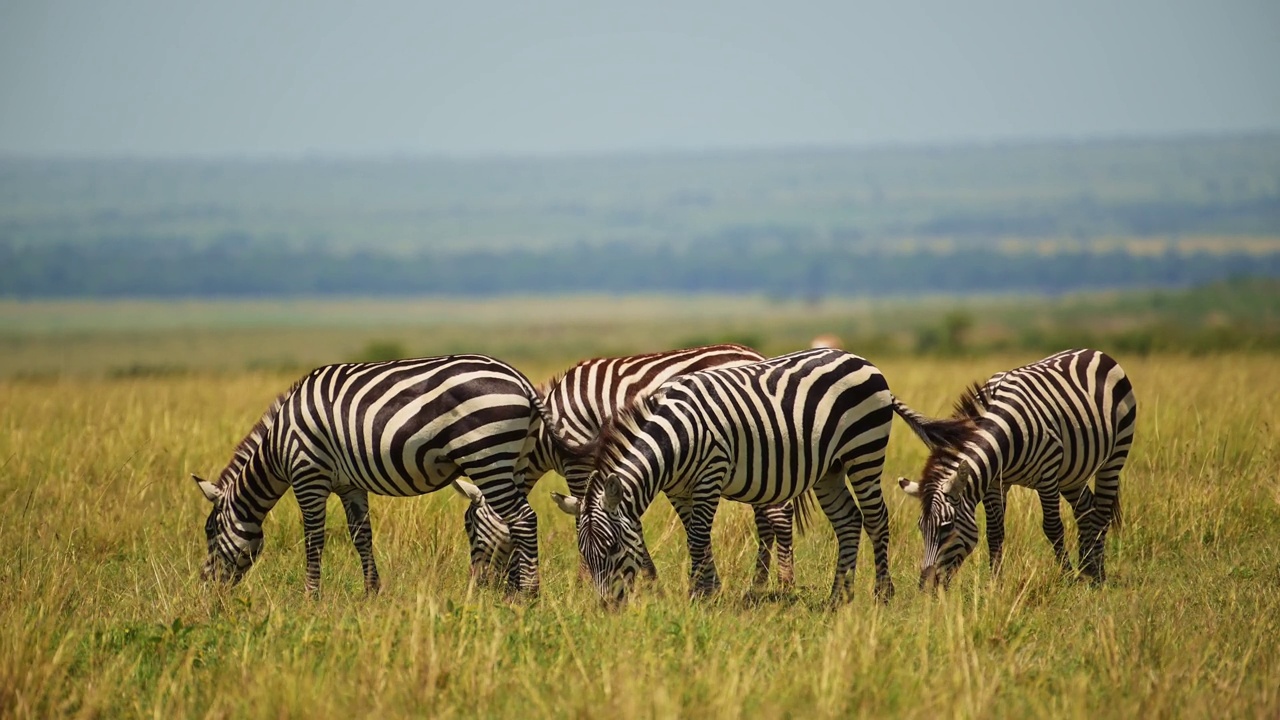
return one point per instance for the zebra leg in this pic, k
(646, 564)
(522, 574)
(513, 507)
(1053, 523)
(684, 510)
(764, 544)
(355, 502)
(783, 519)
(993, 505)
(701, 514)
(846, 519)
(1089, 527)
(1107, 510)
(866, 485)
(312, 500)
(1085, 510)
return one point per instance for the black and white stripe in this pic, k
(761, 434)
(970, 405)
(582, 399)
(399, 428)
(1050, 426)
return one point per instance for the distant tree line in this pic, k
(236, 266)
(1089, 217)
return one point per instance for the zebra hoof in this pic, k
(704, 591)
(884, 591)
(1094, 574)
(786, 578)
(514, 594)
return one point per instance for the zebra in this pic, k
(760, 434)
(1050, 426)
(582, 399)
(398, 428)
(970, 405)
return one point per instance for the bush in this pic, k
(380, 350)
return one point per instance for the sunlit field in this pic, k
(103, 613)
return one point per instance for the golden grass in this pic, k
(102, 614)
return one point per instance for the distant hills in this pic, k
(1043, 217)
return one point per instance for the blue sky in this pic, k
(251, 79)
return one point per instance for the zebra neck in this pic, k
(255, 491)
(542, 458)
(642, 487)
(985, 454)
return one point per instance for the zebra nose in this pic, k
(929, 579)
(614, 602)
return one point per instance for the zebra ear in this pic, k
(910, 488)
(469, 491)
(955, 487)
(612, 492)
(569, 505)
(212, 492)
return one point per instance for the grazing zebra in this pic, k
(760, 434)
(1050, 426)
(399, 428)
(582, 399)
(970, 405)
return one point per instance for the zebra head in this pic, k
(609, 536)
(487, 534)
(947, 522)
(232, 546)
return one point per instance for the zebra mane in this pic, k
(620, 427)
(948, 435)
(251, 442)
(972, 402)
(545, 388)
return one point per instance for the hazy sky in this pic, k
(250, 78)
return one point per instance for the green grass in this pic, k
(103, 614)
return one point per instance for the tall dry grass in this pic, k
(102, 615)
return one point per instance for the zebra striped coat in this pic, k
(761, 434)
(399, 428)
(970, 405)
(1051, 426)
(582, 399)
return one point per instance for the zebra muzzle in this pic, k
(929, 579)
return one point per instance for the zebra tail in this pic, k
(932, 432)
(1117, 517)
(556, 432)
(803, 506)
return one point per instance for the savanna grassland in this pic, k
(103, 614)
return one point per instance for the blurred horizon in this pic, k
(1266, 133)
(1042, 218)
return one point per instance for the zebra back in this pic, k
(587, 394)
